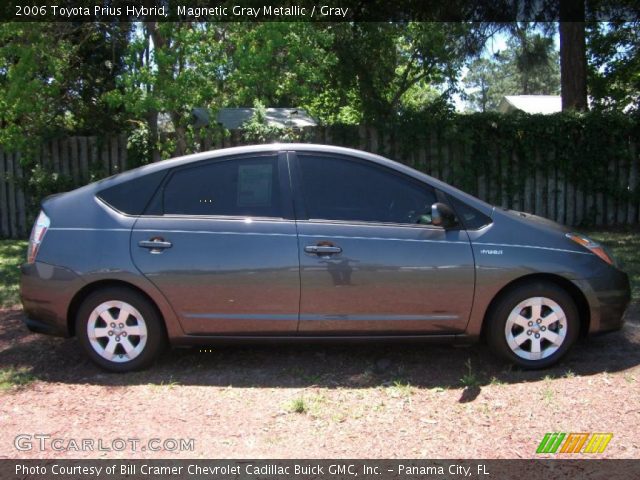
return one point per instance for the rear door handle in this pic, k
(322, 249)
(156, 245)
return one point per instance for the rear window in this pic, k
(132, 197)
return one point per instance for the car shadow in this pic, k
(427, 366)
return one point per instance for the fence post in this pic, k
(20, 198)
(4, 210)
(610, 213)
(632, 211)
(13, 221)
(84, 159)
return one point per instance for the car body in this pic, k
(292, 242)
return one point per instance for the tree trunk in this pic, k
(152, 124)
(573, 66)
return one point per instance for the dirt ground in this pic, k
(349, 401)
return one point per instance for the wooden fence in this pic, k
(75, 160)
(544, 191)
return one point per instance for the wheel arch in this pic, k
(88, 289)
(579, 298)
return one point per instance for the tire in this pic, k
(120, 329)
(532, 340)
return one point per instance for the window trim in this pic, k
(282, 183)
(300, 201)
(448, 197)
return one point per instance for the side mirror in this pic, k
(443, 216)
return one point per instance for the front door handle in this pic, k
(322, 249)
(155, 245)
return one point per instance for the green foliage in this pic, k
(12, 254)
(44, 181)
(53, 77)
(11, 378)
(298, 405)
(379, 63)
(505, 150)
(470, 379)
(614, 65)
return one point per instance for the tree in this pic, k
(53, 77)
(486, 83)
(573, 66)
(528, 66)
(378, 63)
(573, 56)
(170, 68)
(614, 64)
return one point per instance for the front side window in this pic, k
(246, 187)
(336, 188)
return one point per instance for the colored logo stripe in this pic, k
(598, 442)
(550, 442)
(574, 442)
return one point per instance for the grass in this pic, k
(12, 254)
(15, 377)
(470, 379)
(170, 384)
(547, 392)
(298, 405)
(401, 388)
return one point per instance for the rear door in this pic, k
(370, 260)
(219, 241)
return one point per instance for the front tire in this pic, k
(120, 329)
(533, 325)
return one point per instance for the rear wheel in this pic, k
(533, 325)
(120, 329)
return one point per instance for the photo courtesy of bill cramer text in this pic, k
(253, 470)
(267, 469)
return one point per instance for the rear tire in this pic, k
(533, 325)
(120, 329)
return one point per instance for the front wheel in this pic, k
(533, 325)
(120, 329)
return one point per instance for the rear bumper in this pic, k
(46, 292)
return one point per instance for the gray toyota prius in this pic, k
(296, 242)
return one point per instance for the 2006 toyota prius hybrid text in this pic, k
(307, 242)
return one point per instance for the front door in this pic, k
(371, 262)
(220, 243)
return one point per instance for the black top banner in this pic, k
(319, 10)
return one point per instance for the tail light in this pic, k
(37, 235)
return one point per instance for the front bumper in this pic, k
(46, 292)
(608, 297)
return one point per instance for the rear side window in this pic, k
(237, 187)
(338, 188)
(131, 197)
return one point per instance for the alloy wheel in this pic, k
(536, 328)
(117, 331)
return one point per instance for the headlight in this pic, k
(594, 247)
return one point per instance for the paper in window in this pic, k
(254, 185)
